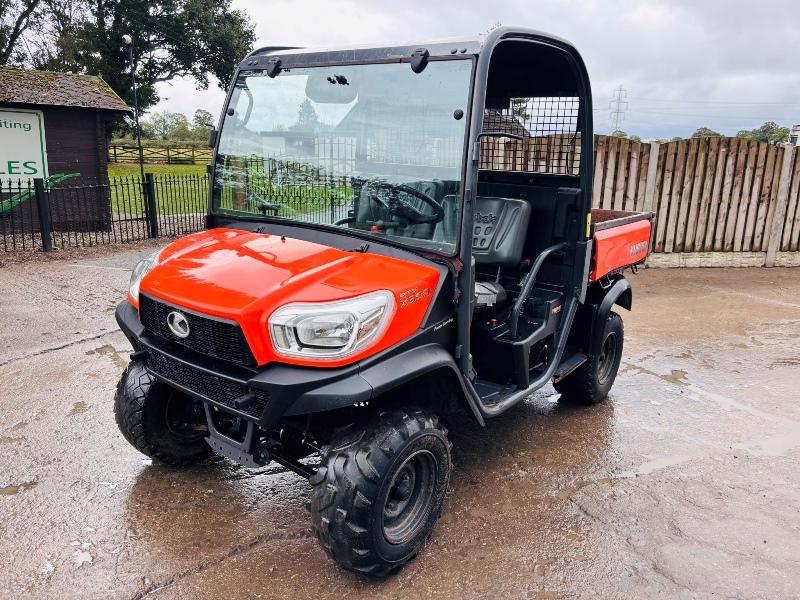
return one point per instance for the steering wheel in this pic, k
(400, 207)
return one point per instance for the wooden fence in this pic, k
(171, 155)
(718, 201)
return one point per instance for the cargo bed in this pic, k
(621, 239)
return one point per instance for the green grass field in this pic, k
(132, 169)
(184, 189)
(179, 188)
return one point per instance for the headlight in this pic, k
(141, 269)
(330, 330)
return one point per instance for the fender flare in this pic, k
(382, 376)
(619, 293)
(413, 363)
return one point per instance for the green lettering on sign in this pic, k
(23, 154)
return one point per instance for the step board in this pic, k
(568, 365)
(490, 393)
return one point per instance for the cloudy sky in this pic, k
(724, 64)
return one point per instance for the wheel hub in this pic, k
(409, 497)
(605, 362)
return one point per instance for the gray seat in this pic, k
(500, 227)
(498, 239)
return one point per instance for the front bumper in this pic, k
(261, 396)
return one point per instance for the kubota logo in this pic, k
(637, 248)
(489, 218)
(178, 324)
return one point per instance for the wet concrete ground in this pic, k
(686, 483)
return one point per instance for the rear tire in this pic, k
(591, 382)
(379, 490)
(158, 420)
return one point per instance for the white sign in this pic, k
(23, 155)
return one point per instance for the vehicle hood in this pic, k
(245, 276)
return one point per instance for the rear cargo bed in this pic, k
(621, 239)
(605, 219)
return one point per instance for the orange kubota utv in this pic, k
(392, 232)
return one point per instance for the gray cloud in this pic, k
(725, 64)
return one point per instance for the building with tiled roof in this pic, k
(45, 88)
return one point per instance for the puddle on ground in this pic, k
(657, 464)
(11, 490)
(778, 444)
(108, 351)
(676, 376)
(78, 408)
(646, 468)
(792, 361)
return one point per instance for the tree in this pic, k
(769, 132)
(16, 17)
(169, 125)
(172, 38)
(519, 109)
(158, 124)
(147, 131)
(202, 122)
(307, 119)
(705, 132)
(203, 118)
(55, 43)
(175, 127)
(621, 134)
(180, 128)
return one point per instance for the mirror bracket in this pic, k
(419, 59)
(273, 67)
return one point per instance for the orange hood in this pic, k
(245, 276)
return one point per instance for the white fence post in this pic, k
(782, 200)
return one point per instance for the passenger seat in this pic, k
(498, 238)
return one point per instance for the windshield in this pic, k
(375, 148)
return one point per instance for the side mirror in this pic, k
(212, 137)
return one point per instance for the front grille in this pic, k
(211, 336)
(212, 387)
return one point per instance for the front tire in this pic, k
(158, 420)
(591, 382)
(379, 490)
